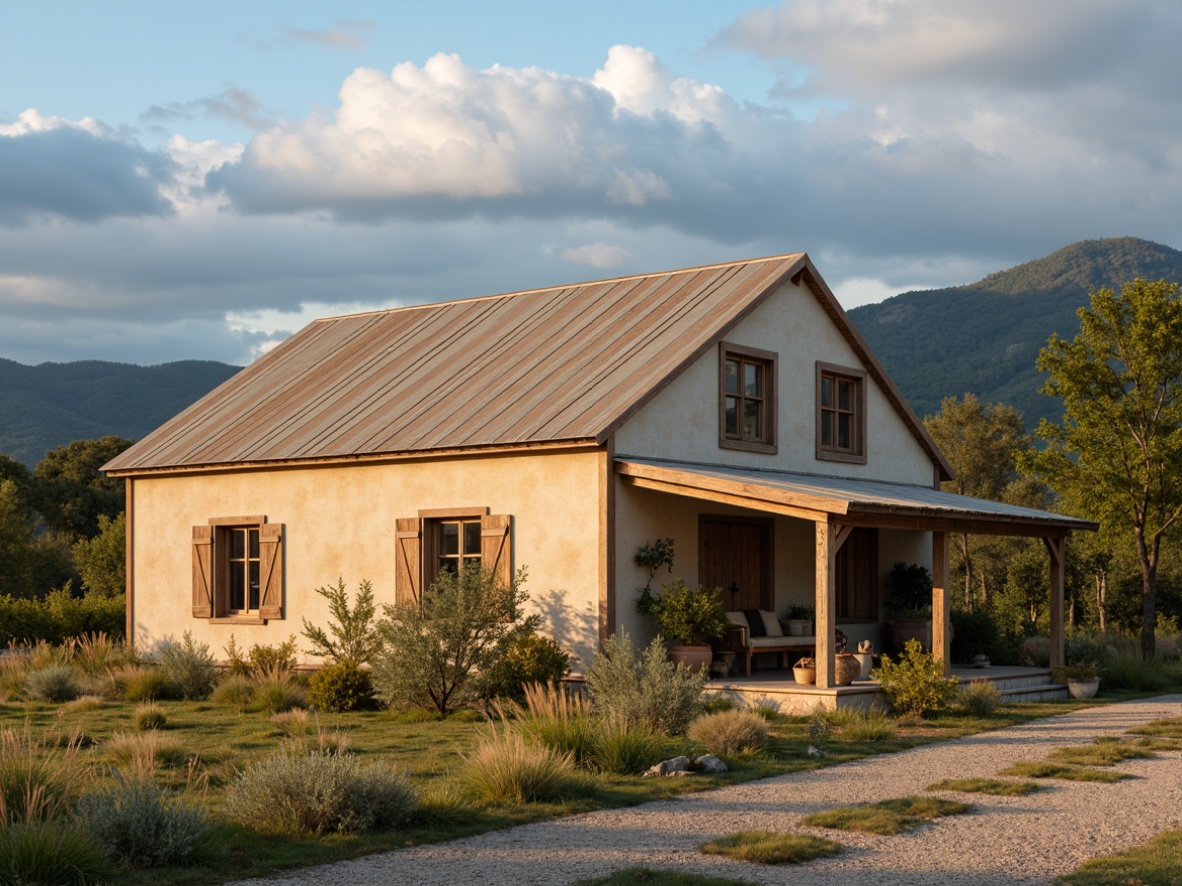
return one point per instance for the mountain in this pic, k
(984, 337)
(49, 405)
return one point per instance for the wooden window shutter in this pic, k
(408, 567)
(496, 552)
(202, 572)
(271, 570)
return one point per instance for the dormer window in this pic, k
(841, 414)
(746, 399)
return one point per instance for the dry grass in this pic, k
(38, 781)
(507, 769)
(142, 754)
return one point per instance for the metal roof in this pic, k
(565, 364)
(858, 501)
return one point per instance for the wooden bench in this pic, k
(739, 640)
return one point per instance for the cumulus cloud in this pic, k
(82, 171)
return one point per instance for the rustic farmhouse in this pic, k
(733, 408)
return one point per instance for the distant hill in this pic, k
(984, 337)
(45, 406)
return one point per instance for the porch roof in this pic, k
(853, 501)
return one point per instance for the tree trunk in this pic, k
(968, 572)
(1147, 556)
(1102, 599)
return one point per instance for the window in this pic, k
(841, 414)
(747, 399)
(238, 569)
(856, 577)
(445, 539)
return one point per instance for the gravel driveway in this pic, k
(1005, 840)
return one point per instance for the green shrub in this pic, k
(978, 633)
(261, 657)
(60, 615)
(55, 683)
(643, 690)
(505, 769)
(276, 693)
(47, 853)
(341, 686)
(528, 657)
(980, 698)
(236, 690)
(692, 616)
(916, 683)
(324, 792)
(140, 823)
(189, 668)
(354, 639)
(625, 750)
(852, 724)
(729, 732)
(146, 684)
(149, 716)
(1131, 671)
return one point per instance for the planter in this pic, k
(981, 661)
(798, 627)
(693, 657)
(904, 629)
(845, 668)
(1083, 688)
(804, 675)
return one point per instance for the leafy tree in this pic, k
(981, 444)
(354, 640)
(1118, 451)
(17, 529)
(432, 652)
(71, 492)
(102, 560)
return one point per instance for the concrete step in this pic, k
(1043, 692)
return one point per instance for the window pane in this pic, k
(732, 376)
(752, 380)
(237, 544)
(844, 392)
(826, 395)
(237, 585)
(844, 431)
(254, 543)
(254, 585)
(471, 539)
(449, 539)
(826, 429)
(732, 416)
(752, 419)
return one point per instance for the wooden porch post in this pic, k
(941, 610)
(826, 601)
(1055, 547)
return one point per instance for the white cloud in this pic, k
(597, 255)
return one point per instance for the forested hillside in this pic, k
(983, 338)
(45, 406)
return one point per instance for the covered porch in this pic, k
(835, 506)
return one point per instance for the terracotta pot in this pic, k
(694, 657)
(804, 675)
(845, 668)
(1083, 688)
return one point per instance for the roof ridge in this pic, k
(478, 298)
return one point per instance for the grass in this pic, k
(1045, 769)
(1156, 863)
(769, 847)
(994, 786)
(1171, 728)
(887, 817)
(215, 741)
(650, 877)
(1102, 753)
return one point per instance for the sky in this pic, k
(183, 181)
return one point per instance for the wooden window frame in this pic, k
(728, 351)
(416, 547)
(212, 568)
(862, 546)
(857, 453)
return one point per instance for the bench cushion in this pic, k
(779, 642)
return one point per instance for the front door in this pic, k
(735, 554)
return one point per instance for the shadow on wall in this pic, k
(575, 629)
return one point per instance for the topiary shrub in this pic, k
(189, 668)
(528, 658)
(323, 792)
(915, 684)
(142, 824)
(644, 690)
(730, 732)
(54, 683)
(339, 687)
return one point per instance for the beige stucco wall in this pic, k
(682, 421)
(339, 521)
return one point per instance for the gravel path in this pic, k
(1005, 840)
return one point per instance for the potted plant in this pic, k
(805, 671)
(909, 604)
(799, 620)
(691, 618)
(1082, 678)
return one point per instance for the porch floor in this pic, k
(1014, 683)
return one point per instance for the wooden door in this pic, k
(735, 554)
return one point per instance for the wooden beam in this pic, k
(958, 525)
(725, 498)
(129, 561)
(607, 543)
(1055, 548)
(826, 602)
(941, 608)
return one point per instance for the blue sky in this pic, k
(182, 181)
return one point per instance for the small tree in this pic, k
(432, 651)
(915, 684)
(354, 638)
(102, 560)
